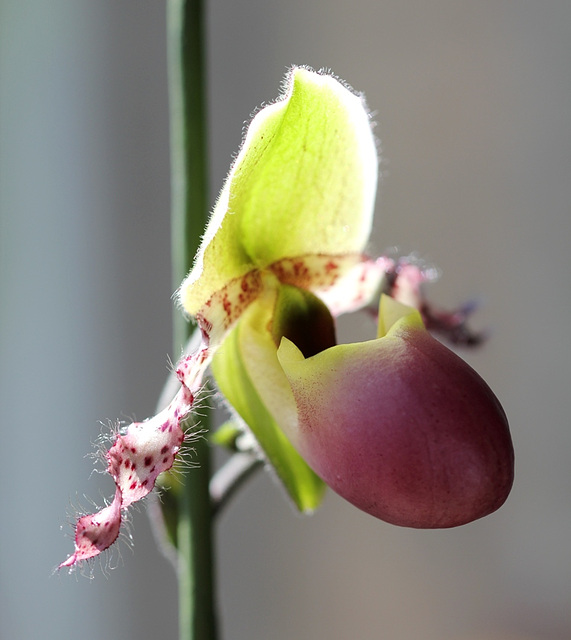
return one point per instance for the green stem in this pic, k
(189, 170)
(197, 618)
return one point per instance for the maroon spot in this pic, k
(144, 482)
(148, 461)
(164, 449)
(165, 459)
(133, 485)
(330, 266)
(127, 464)
(151, 470)
(133, 450)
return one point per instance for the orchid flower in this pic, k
(398, 425)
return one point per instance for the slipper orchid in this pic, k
(399, 426)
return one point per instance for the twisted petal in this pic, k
(138, 455)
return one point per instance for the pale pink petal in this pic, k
(95, 533)
(357, 287)
(138, 455)
(226, 305)
(147, 449)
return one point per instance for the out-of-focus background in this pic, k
(473, 105)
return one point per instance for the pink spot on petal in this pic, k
(131, 461)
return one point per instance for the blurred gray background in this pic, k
(473, 105)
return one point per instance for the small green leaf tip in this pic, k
(303, 184)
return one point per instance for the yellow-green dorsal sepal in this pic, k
(303, 184)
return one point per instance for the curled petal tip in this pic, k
(96, 532)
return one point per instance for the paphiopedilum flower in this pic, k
(398, 425)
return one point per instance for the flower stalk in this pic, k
(187, 91)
